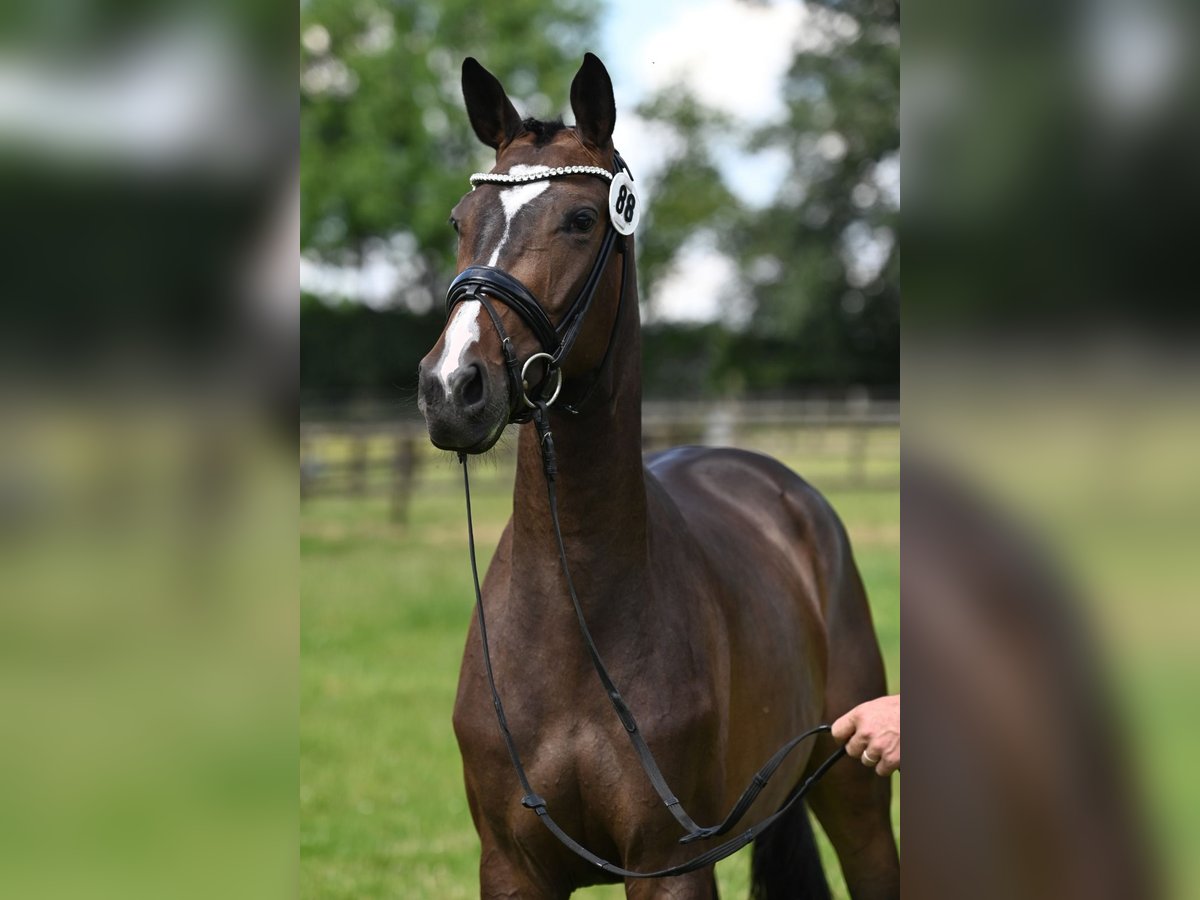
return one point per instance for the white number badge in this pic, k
(624, 206)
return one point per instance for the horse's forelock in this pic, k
(543, 131)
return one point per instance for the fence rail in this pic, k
(846, 444)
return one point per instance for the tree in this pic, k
(688, 195)
(822, 261)
(386, 146)
(819, 264)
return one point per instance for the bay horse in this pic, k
(718, 587)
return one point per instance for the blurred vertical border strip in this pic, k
(148, 333)
(1051, 500)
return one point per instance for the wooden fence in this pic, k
(834, 444)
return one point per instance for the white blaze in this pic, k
(461, 333)
(463, 330)
(514, 198)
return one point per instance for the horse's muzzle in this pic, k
(465, 410)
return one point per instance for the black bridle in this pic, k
(485, 283)
(489, 284)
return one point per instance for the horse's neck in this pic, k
(600, 484)
(600, 487)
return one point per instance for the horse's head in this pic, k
(531, 233)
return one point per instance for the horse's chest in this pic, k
(575, 750)
(576, 753)
(560, 730)
(587, 786)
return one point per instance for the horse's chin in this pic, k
(470, 443)
(456, 431)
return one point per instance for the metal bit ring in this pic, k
(551, 370)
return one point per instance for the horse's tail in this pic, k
(785, 863)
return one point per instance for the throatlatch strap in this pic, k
(535, 802)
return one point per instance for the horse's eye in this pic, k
(583, 220)
(454, 224)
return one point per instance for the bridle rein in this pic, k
(487, 284)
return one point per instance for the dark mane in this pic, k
(543, 132)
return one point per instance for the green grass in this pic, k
(385, 610)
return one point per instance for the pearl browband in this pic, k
(539, 174)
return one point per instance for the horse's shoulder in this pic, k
(690, 457)
(724, 469)
(720, 482)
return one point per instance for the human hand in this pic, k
(871, 733)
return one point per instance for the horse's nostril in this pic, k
(473, 389)
(468, 386)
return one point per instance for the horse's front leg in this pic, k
(698, 885)
(507, 877)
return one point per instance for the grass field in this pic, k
(385, 610)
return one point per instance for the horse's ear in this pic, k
(592, 102)
(492, 114)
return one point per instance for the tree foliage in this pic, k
(688, 193)
(385, 141)
(819, 263)
(348, 350)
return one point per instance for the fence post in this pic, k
(404, 468)
(358, 465)
(857, 458)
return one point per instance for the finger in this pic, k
(856, 746)
(869, 759)
(843, 729)
(886, 767)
